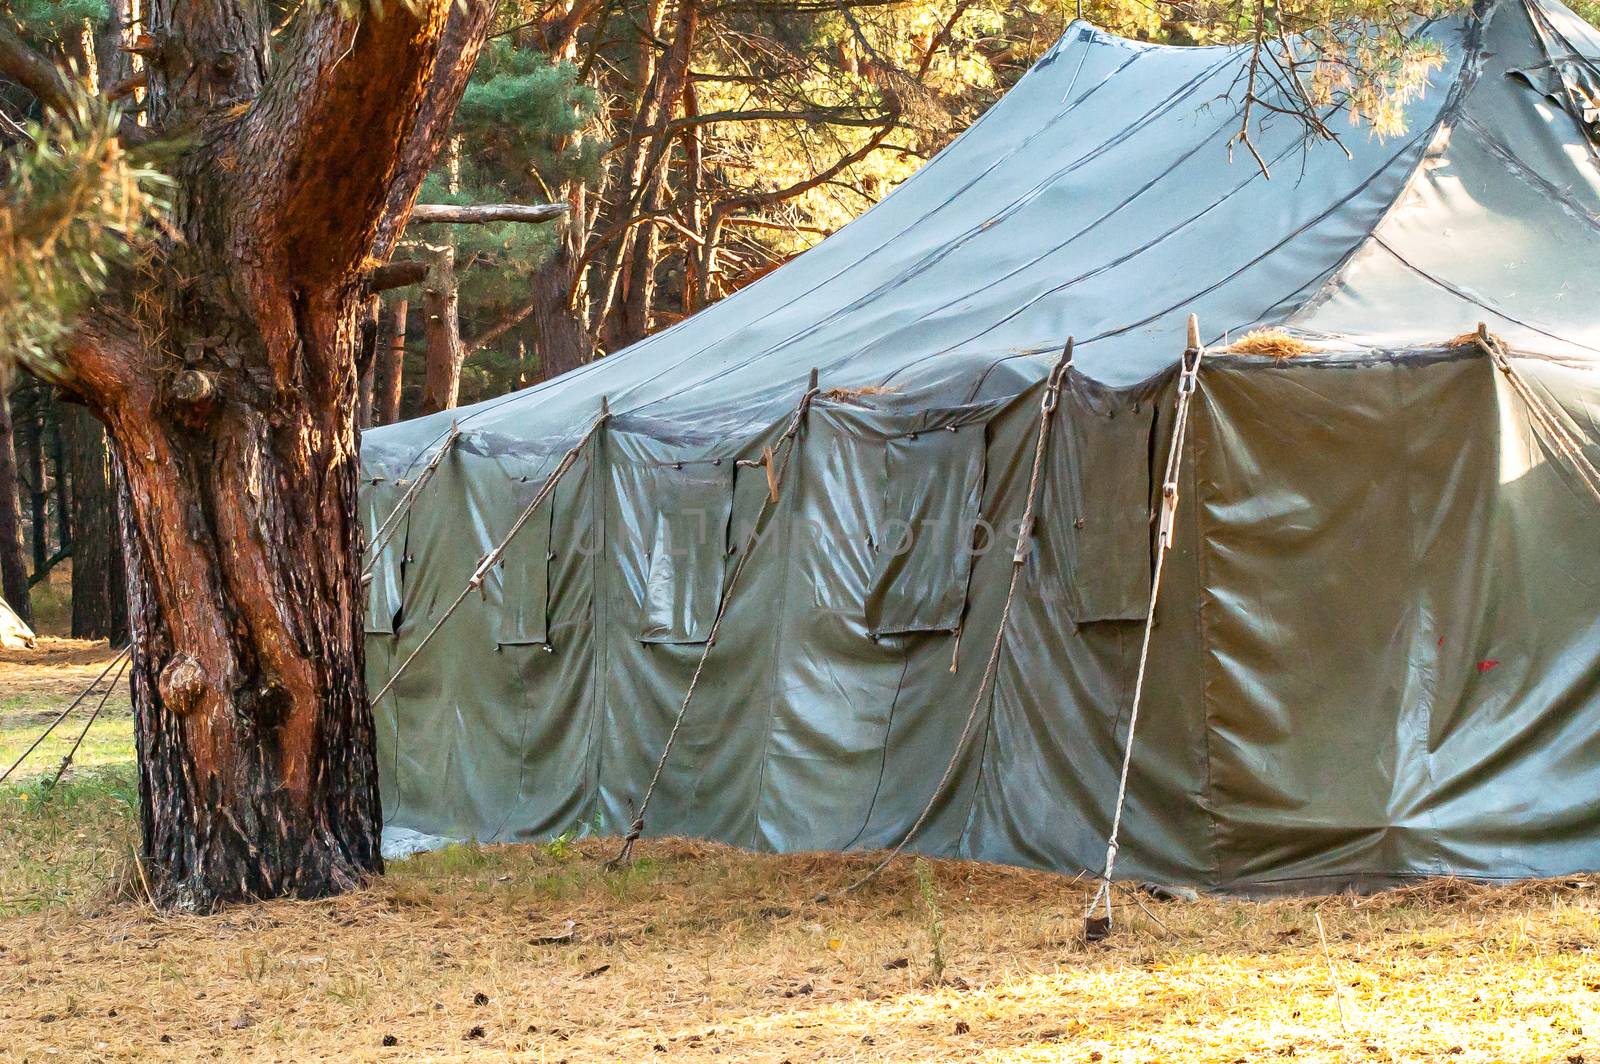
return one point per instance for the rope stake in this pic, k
(1019, 558)
(490, 560)
(1097, 927)
(775, 472)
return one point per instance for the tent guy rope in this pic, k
(121, 654)
(1019, 557)
(775, 473)
(490, 560)
(71, 753)
(1095, 927)
(391, 524)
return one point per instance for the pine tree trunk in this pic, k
(390, 373)
(563, 345)
(225, 371)
(441, 306)
(366, 361)
(255, 741)
(30, 457)
(61, 486)
(99, 585)
(13, 555)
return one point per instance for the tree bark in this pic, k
(62, 484)
(441, 307)
(391, 367)
(30, 458)
(636, 308)
(99, 585)
(225, 372)
(366, 360)
(13, 556)
(562, 342)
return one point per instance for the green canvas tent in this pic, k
(14, 631)
(1376, 651)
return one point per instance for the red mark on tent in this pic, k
(1488, 665)
(1441, 641)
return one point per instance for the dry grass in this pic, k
(854, 395)
(1273, 342)
(1470, 339)
(702, 952)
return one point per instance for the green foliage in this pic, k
(527, 129)
(49, 22)
(73, 208)
(525, 118)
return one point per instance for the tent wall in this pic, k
(1377, 651)
(1401, 668)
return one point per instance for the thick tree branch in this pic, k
(333, 131)
(34, 72)
(488, 212)
(464, 35)
(507, 322)
(396, 275)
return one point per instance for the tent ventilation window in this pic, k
(923, 546)
(1094, 525)
(520, 599)
(688, 551)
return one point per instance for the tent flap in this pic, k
(1095, 524)
(521, 611)
(378, 502)
(688, 550)
(924, 546)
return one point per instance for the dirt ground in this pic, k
(702, 952)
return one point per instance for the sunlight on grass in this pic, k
(67, 843)
(699, 951)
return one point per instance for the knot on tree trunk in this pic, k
(193, 393)
(269, 704)
(182, 685)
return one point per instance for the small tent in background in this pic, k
(14, 632)
(1376, 650)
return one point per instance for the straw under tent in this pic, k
(866, 554)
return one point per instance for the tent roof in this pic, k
(1097, 199)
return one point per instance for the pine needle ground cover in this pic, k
(703, 952)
